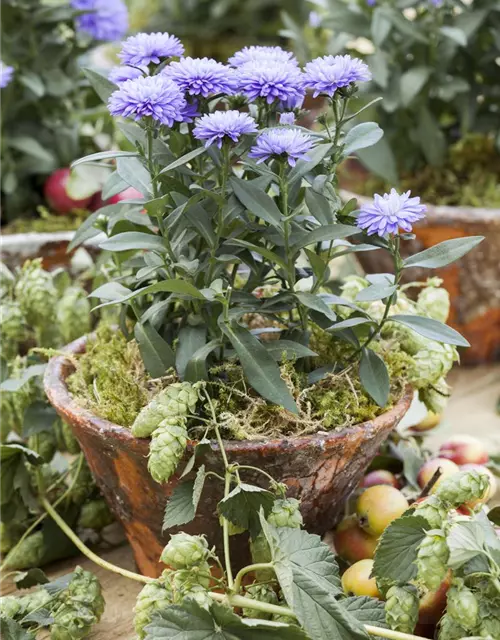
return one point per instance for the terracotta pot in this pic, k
(322, 470)
(52, 247)
(473, 281)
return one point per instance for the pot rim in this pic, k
(65, 404)
(14, 241)
(442, 214)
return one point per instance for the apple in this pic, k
(428, 469)
(127, 194)
(378, 506)
(430, 421)
(433, 603)
(56, 195)
(356, 580)
(381, 476)
(352, 543)
(464, 449)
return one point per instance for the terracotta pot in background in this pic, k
(322, 470)
(473, 281)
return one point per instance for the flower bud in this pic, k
(450, 630)
(462, 487)
(432, 560)
(184, 551)
(167, 447)
(401, 608)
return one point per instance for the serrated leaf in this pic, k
(466, 540)
(444, 253)
(374, 376)
(366, 610)
(432, 329)
(257, 201)
(12, 630)
(30, 578)
(42, 618)
(183, 503)
(156, 353)
(397, 549)
(242, 506)
(260, 369)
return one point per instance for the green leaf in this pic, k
(134, 173)
(350, 322)
(366, 610)
(444, 253)
(380, 161)
(380, 26)
(466, 540)
(455, 34)
(110, 291)
(290, 348)
(31, 147)
(12, 630)
(33, 82)
(432, 329)
(376, 292)
(14, 384)
(38, 417)
(183, 160)
(30, 578)
(104, 155)
(431, 138)
(406, 27)
(303, 167)
(324, 234)
(196, 368)
(102, 86)
(260, 369)
(257, 201)
(309, 578)
(190, 340)
(243, 504)
(374, 376)
(319, 207)
(316, 303)
(86, 180)
(157, 354)
(397, 550)
(192, 622)
(361, 136)
(263, 251)
(182, 504)
(134, 240)
(412, 82)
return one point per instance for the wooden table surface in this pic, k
(472, 409)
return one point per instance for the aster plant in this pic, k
(226, 259)
(49, 114)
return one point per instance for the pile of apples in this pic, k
(381, 501)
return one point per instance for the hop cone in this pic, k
(148, 419)
(450, 630)
(73, 314)
(95, 515)
(262, 593)
(184, 551)
(184, 581)
(432, 560)
(462, 606)
(433, 510)
(9, 606)
(434, 302)
(401, 608)
(462, 487)
(167, 447)
(21, 399)
(85, 590)
(84, 484)
(6, 281)
(44, 443)
(286, 513)
(436, 397)
(153, 597)
(433, 361)
(12, 328)
(34, 601)
(26, 555)
(72, 624)
(36, 294)
(70, 442)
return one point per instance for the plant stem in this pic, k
(86, 551)
(390, 634)
(251, 567)
(220, 212)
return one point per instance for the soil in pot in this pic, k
(321, 455)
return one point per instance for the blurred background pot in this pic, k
(322, 469)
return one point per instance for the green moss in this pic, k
(110, 379)
(470, 177)
(46, 222)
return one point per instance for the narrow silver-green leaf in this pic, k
(374, 376)
(444, 253)
(432, 329)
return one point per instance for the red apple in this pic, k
(353, 543)
(381, 476)
(128, 194)
(433, 603)
(430, 421)
(56, 195)
(427, 470)
(464, 449)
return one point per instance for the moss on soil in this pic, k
(46, 222)
(111, 381)
(470, 177)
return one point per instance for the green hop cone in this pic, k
(463, 487)
(95, 515)
(70, 442)
(6, 281)
(44, 443)
(286, 513)
(450, 630)
(153, 597)
(72, 624)
(26, 555)
(148, 419)
(200, 595)
(73, 314)
(432, 560)
(353, 285)
(36, 294)
(432, 362)
(462, 606)
(85, 589)
(433, 510)
(9, 606)
(184, 551)
(434, 302)
(184, 580)
(262, 593)
(436, 396)
(12, 328)
(83, 485)
(166, 449)
(401, 608)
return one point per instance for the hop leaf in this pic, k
(401, 608)
(184, 551)
(462, 487)
(462, 606)
(432, 560)
(167, 447)
(262, 593)
(153, 597)
(433, 510)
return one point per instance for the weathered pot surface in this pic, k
(321, 470)
(473, 281)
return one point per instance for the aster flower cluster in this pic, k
(289, 144)
(215, 127)
(328, 74)
(6, 73)
(105, 20)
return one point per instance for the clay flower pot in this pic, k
(321, 470)
(473, 281)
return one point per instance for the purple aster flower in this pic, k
(152, 96)
(314, 19)
(6, 73)
(329, 73)
(390, 212)
(144, 48)
(288, 117)
(291, 144)
(269, 55)
(105, 20)
(201, 76)
(124, 73)
(191, 110)
(215, 127)
(279, 81)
